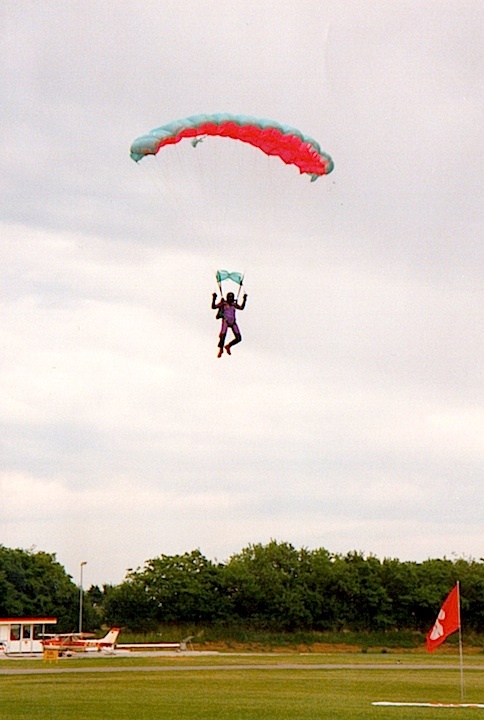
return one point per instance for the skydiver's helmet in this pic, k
(230, 297)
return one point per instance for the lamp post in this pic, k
(80, 599)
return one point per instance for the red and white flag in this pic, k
(448, 620)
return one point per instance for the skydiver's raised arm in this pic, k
(244, 300)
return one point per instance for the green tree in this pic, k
(35, 584)
(265, 585)
(435, 580)
(129, 604)
(401, 581)
(320, 598)
(362, 599)
(470, 573)
(176, 588)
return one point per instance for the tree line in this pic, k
(275, 587)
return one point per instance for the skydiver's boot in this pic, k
(221, 344)
(237, 339)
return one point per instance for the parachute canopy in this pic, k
(271, 137)
(236, 277)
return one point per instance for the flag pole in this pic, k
(461, 656)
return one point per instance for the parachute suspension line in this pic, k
(235, 277)
(169, 169)
(163, 179)
(161, 185)
(157, 180)
(240, 286)
(204, 154)
(219, 283)
(190, 199)
(233, 193)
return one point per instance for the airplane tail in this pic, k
(109, 639)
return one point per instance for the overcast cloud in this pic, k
(351, 416)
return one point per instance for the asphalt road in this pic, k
(398, 667)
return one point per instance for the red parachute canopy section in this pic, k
(271, 137)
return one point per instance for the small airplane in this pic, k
(69, 643)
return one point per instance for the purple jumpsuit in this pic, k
(227, 310)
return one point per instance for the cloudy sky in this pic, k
(351, 415)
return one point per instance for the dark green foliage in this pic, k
(471, 576)
(176, 588)
(266, 584)
(361, 596)
(272, 588)
(35, 584)
(129, 604)
(277, 588)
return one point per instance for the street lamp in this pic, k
(80, 599)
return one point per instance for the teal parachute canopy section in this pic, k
(269, 136)
(236, 277)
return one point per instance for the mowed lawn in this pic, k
(233, 693)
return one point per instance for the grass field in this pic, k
(237, 688)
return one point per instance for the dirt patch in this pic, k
(318, 648)
(253, 647)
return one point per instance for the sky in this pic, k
(351, 415)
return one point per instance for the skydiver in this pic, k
(226, 312)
